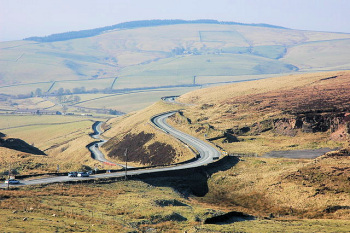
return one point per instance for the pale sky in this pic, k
(25, 18)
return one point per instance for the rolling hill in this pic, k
(166, 55)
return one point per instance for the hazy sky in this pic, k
(24, 18)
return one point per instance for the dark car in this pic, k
(11, 181)
(72, 174)
(83, 174)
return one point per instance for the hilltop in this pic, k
(134, 24)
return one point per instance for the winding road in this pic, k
(207, 154)
(94, 148)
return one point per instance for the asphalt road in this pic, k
(207, 153)
(94, 148)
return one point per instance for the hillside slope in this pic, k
(287, 113)
(168, 55)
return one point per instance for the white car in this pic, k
(83, 174)
(11, 181)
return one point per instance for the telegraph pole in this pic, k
(8, 180)
(126, 162)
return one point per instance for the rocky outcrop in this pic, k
(338, 124)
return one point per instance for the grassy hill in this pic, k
(171, 54)
(307, 111)
(160, 57)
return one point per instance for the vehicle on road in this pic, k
(11, 181)
(83, 174)
(72, 174)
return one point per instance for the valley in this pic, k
(260, 119)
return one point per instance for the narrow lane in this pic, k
(94, 148)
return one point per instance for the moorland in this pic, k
(52, 91)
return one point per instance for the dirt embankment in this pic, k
(140, 150)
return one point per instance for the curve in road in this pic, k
(94, 148)
(207, 153)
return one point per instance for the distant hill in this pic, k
(144, 55)
(133, 24)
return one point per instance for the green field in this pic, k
(210, 65)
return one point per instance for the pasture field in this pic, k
(335, 55)
(147, 79)
(210, 65)
(61, 138)
(260, 36)
(18, 89)
(44, 132)
(129, 102)
(228, 37)
(32, 103)
(15, 121)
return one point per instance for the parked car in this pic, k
(11, 181)
(83, 174)
(72, 174)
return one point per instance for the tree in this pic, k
(76, 98)
(67, 92)
(64, 109)
(38, 92)
(60, 91)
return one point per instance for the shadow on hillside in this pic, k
(192, 181)
(19, 145)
